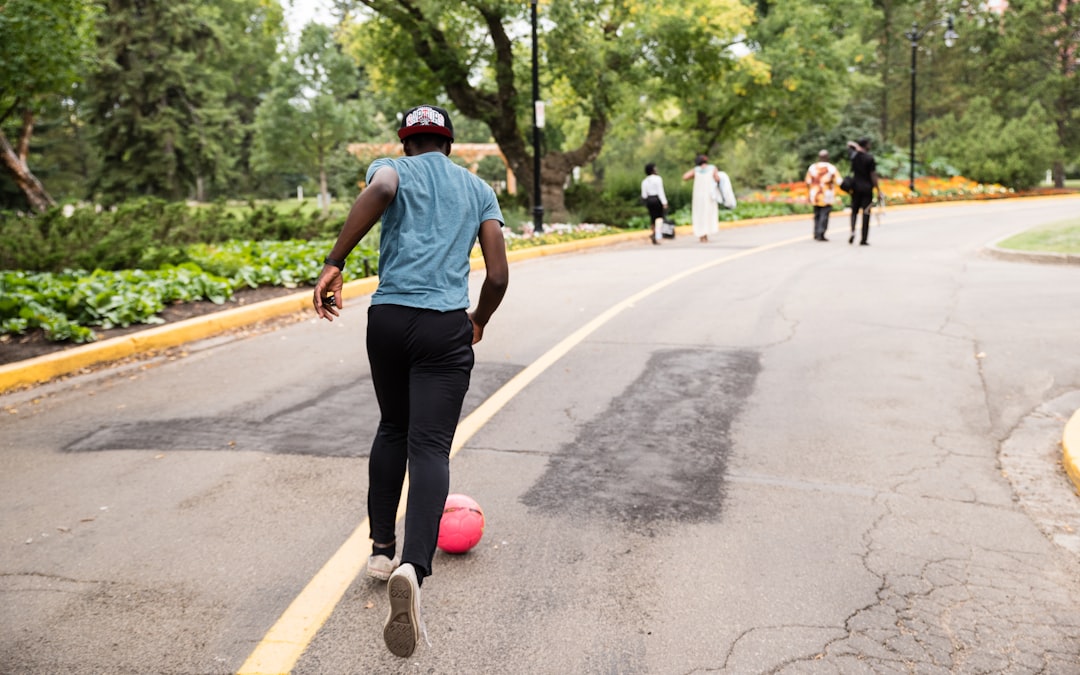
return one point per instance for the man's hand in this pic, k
(477, 329)
(327, 297)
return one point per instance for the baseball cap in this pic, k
(426, 119)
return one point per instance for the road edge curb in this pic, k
(42, 369)
(1070, 450)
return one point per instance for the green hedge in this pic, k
(144, 233)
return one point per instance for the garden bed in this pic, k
(34, 343)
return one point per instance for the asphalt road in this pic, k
(763, 454)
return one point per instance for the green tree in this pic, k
(157, 102)
(1035, 56)
(312, 111)
(790, 65)
(43, 44)
(252, 32)
(987, 148)
(477, 53)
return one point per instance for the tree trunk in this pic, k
(553, 197)
(15, 162)
(1058, 173)
(555, 167)
(498, 109)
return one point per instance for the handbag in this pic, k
(847, 185)
(667, 229)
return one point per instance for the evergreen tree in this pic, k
(253, 31)
(991, 149)
(1035, 56)
(158, 105)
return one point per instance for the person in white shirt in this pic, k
(652, 193)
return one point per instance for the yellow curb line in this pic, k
(43, 368)
(1070, 449)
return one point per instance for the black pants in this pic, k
(864, 201)
(421, 361)
(655, 207)
(821, 220)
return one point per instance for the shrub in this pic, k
(144, 233)
(988, 149)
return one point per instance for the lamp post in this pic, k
(914, 35)
(538, 123)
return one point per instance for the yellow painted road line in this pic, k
(287, 639)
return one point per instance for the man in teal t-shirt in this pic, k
(419, 340)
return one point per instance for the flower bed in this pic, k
(554, 233)
(927, 189)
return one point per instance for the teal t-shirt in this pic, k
(428, 232)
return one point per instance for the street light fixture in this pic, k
(538, 123)
(914, 35)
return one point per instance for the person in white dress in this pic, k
(704, 210)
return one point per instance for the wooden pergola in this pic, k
(470, 153)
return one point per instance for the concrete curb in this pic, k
(43, 368)
(1030, 256)
(1070, 450)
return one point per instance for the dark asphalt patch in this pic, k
(660, 450)
(334, 422)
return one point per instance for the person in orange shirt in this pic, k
(822, 180)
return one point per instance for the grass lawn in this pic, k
(1060, 237)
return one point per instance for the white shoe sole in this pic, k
(402, 629)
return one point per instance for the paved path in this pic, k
(764, 454)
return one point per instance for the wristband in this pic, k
(340, 264)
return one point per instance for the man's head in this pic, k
(864, 143)
(426, 128)
(650, 169)
(823, 156)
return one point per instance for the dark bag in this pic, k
(847, 185)
(667, 228)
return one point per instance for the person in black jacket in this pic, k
(865, 178)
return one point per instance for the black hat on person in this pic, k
(426, 119)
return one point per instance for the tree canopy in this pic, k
(185, 99)
(313, 109)
(43, 48)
